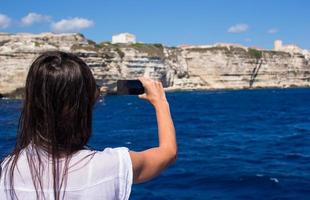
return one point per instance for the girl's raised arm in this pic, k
(149, 163)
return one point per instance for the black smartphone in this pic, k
(129, 87)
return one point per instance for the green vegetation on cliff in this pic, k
(257, 54)
(152, 50)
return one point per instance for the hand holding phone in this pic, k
(154, 91)
(129, 87)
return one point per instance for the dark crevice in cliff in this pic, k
(255, 72)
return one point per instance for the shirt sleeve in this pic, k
(125, 173)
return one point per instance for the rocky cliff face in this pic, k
(210, 67)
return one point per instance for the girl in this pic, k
(51, 159)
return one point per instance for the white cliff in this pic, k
(183, 68)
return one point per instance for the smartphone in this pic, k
(129, 87)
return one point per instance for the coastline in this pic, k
(184, 68)
(19, 95)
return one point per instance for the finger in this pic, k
(141, 79)
(142, 96)
(144, 78)
(158, 83)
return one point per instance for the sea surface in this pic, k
(243, 144)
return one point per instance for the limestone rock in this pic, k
(206, 67)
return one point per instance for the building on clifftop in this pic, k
(124, 38)
(290, 48)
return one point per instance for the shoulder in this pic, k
(124, 171)
(110, 168)
(112, 162)
(115, 160)
(6, 161)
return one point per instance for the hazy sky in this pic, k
(174, 22)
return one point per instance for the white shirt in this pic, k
(92, 175)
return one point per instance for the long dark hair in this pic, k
(60, 93)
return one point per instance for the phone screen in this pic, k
(129, 87)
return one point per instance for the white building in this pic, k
(124, 38)
(290, 48)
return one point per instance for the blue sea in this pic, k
(243, 144)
